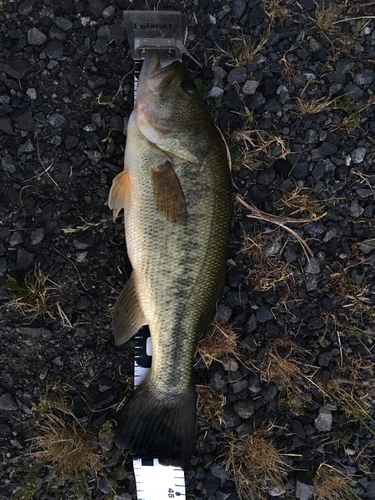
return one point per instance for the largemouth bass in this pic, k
(175, 190)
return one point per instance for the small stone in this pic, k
(244, 408)
(355, 209)
(104, 485)
(96, 8)
(273, 249)
(63, 23)
(276, 491)
(264, 314)
(353, 91)
(37, 236)
(220, 472)
(304, 491)
(216, 92)
(31, 92)
(217, 381)
(108, 12)
(315, 229)
(7, 403)
(6, 126)
(323, 421)
(367, 247)
(250, 87)
(58, 361)
(26, 8)
(85, 21)
(237, 75)
(5, 430)
(54, 50)
(24, 119)
(56, 140)
(311, 136)
(257, 100)
(300, 170)
(311, 282)
(27, 147)
(15, 239)
(325, 359)
(345, 64)
(251, 324)
(238, 8)
(56, 120)
(105, 384)
(236, 299)
(7, 164)
(24, 259)
(223, 314)
(330, 234)
(83, 302)
(36, 37)
(71, 141)
(358, 155)
(313, 267)
(364, 77)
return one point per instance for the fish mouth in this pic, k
(153, 78)
(151, 65)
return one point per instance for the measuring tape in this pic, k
(158, 482)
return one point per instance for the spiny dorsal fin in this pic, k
(168, 195)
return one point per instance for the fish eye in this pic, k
(188, 86)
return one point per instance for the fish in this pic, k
(176, 192)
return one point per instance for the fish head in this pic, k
(167, 100)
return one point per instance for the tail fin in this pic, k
(155, 426)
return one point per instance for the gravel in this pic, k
(66, 93)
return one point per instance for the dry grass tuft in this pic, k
(332, 484)
(300, 201)
(357, 368)
(269, 270)
(268, 273)
(241, 53)
(283, 363)
(354, 296)
(219, 344)
(36, 296)
(63, 455)
(325, 17)
(355, 398)
(67, 449)
(275, 10)
(312, 107)
(260, 147)
(33, 296)
(255, 463)
(209, 405)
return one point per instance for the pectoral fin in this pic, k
(119, 195)
(168, 195)
(128, 315)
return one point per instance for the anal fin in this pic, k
(128, 315)
(168, 195)
(119, 195)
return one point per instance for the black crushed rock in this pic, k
(66, 93)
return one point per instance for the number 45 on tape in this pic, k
(158, 482)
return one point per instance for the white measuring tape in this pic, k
(158, 482)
